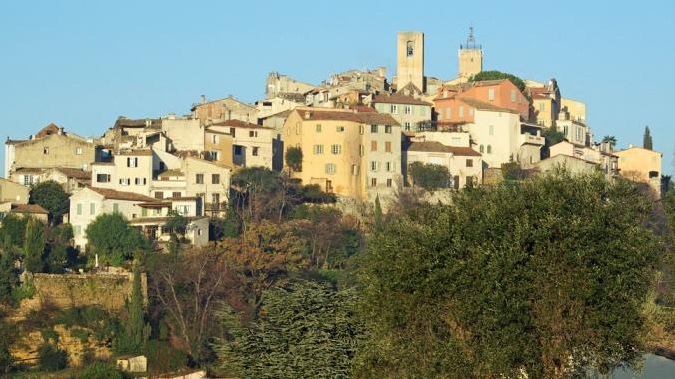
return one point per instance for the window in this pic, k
(255, 151)
(542, 106)
(491, 94)
(175, 195)
(102, 178)
(469, 163)
(125, 182)
(373, 145)
(252, 133)
(233, 132)
(491, 130)
(144, 212)
(513, 95)
(406, 126)
(387, 129)
(489, 149)
(318, 149)
(336, 149)
(238, 149)
(482, 149)
(79, 209)
(361, 129)
(45, 150)
(329, 186)
(409, 49)
(215, 200)
(78, 151)
(394, 109)
(373, 182)
(389, 182)
(215, 139)
(92, 208)
(389, 166)
(373, 166)
(355, 170)
(461, 111)
(387, 147)
(340, 129)
(318, 128)
(361, 150)
(132, 162)
(215, 178)
(199, 178)
(298, 128)
(140, 181)
(159, 195)
(373, 128)
(330, 168)
(448, 113)
(213, 155)
(407, 109)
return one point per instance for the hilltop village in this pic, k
(154, 242)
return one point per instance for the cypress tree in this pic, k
(34, 245)
(647, 139)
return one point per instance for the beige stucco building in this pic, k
(50, 147)
(641, 165)
(410, 59)
(252, 145)
(470, 58)
(130, 171)
(412, 114)
(350, 153)
(12, 192)
(606, 161)
(464, 164)
(228, 108)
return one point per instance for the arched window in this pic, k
(489, 149)
(482, 149)
(409, 48)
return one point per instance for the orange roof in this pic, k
(48, 130)
(437, 147)
(347, 115)
(120, 195)
(398, 98)
(485, 106)
(29, 208)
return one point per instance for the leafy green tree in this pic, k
(305, 330)
(647, 139)
(60, 253)
(496, 75)
(429, 176)
(50, 196)
(294, 158)
(111, 236)
(51, 358)
(34, 245)
(176, 223)
(13, 231)
(545, 278)
(9, 278)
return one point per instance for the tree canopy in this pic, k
(111, 236)
(294, 158)
(510, 280)
(647, 139)
(495, 75)
(50, 196)
(429, 176)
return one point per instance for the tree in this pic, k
(378, 218)
(496, 75)
(294, 158)
(34, 245)
(111, 236)
(176, 223)
(9, 278)
(137, 331)
(611, 140)
(13, 231)
(499, 284)
(429, 176)
(304, 330)
(50, 196)
(647, 139)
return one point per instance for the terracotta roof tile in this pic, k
(29, 208)
(437, 147)
(347, 115)
(485, 106)
(398, 98)
(74, 172)
(120, 195)
(239, 124)
(142, 152)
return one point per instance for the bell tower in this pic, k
(410, 59)
(470, 58)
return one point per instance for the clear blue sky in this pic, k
(82, 64)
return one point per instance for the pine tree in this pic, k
(647, 139)
(136, 326)
(34, 245)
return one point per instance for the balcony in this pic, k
(530, 139)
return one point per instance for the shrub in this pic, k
(51, 358)
(100, 370)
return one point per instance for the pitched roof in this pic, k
(485, 106)
(347, 115)
(29, 208)
(398, 98)
(437, 147)
(239, 124)
(170, 172)
(48, 130)
(140, 152)
(120, 195)
(74, 172)
(123, 122)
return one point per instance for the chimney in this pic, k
(203, 99)
(308, 114)
(147, 122)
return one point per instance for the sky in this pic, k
(82, 64)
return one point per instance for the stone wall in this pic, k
(108, 290)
